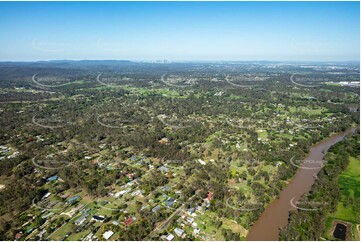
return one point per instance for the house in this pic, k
(142, 162)
(108, 234)
(210, 196)
(144, 207)
(52, 178)
(81, 219)
(218, 93)
(165, 188)
(75, 210)
(52, 204)
(98, 218)
(128, 221)
(73, 199)
(191, 210)
(170, 201)
(26, 223)
(156, 208)
(47, 195)
(163, 169)
(88, 237)
(64, 196)
(201, 161)
(121, 193)
(190, 220)
(18, 236)
(85, 210)
(137, 193)
(47, 215)
(41, 233)
(169, 237)
(115, 223)
(178, 231)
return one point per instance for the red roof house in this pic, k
(128, 221)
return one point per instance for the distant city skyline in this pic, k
(180, 31)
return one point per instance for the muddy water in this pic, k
(275, 214)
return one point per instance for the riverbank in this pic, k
(275, 215)
(349, 206)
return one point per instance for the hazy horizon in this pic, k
(187, 61)
(180, 31)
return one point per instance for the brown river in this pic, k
(275, 215)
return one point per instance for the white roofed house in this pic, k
(108, 234)
(178, 231)
(170, 237)
(121, 193)
(46, 195)
(196, 231)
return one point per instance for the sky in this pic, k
(180, 31)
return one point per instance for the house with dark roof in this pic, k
(98, 218)
(169, 202)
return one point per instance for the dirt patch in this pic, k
(232, 182)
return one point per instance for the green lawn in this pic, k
(348, 209)
(349, 182)
(209, 218)
(262, 134)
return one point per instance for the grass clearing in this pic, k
(348, 209)
(234, 226)
(349, 182)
